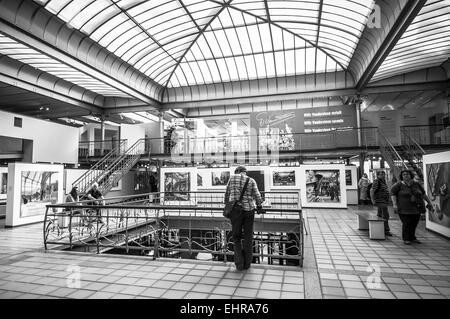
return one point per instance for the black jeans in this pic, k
(383, 212)
(409, 224)
(242, 228)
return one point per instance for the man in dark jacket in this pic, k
(379, 194)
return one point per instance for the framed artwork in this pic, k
(284, 178)
(37, 185)
(213, 178)
(351, 179)
(37, 189)
(203, 178)
(323, 186)
(437, 186)
(178, 185)
(3, 182)
(220, 177)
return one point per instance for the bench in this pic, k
(370, 221)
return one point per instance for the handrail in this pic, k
(97, 169)
(392, 148)
(124, 226)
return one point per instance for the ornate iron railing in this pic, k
(171, 230)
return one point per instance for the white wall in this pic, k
(52, 142)
(132, 133)
(390, 121)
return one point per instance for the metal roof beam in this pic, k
(45, 48)
(402, 22)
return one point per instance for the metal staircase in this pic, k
(413, 152)
(391, 156)
(111, 168)
(121, 166)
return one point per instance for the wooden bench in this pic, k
(370, 221)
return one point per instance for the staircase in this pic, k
(391, 156)
(412, 152)
(111, 168)
(408, 156)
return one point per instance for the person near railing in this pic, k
(97, 199)
(242, 223)
(408, 201)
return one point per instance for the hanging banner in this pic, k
(279, 130)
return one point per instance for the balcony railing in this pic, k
(97, 148)
(166, 229)
(339, 138)
(427, 134)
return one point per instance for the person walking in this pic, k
(379, 194)
(407, 198)
(363, 184)
(242, 223)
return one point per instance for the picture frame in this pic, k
(351, 177)
(436, 168)
(178, 185)
(323, 185)
(3, 182)
(26, 204)
(284, 178)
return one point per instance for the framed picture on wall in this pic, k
(3, 182)
(203, 178)
(38, 189)
(323, 186)
(178, 185)
(351, 179)
(437, 186)
(220, 178)
(284, 178)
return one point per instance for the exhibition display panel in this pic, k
(30, 188)
(437, 186)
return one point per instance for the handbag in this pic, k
(235, 206)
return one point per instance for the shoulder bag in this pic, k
(235, 206)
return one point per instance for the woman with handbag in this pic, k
(408, 200)
(240, 197)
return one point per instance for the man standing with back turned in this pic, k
(379, 193)
(242, 224)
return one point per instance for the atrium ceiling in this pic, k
(114, 58)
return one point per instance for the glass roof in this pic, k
(191, 42)
(38, 60)
(426, 42)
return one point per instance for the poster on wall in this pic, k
(279, 130)
(323, 186)
(351, 180)
(220, 178)
(38, 189)
(177, 186)
(284, 178)
(437, 187)
(3, 182)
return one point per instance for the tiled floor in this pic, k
(340, 262)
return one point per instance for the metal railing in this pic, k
(413, 152)
(96, 172)
(164, 230)
(114, 172)
(338, 138)
(391, 156)
(101, 148)
(427, 134)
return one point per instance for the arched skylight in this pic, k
(426, 42)
(191, 42)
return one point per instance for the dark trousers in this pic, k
(409, 224)
(383, 212)
(242, 228)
